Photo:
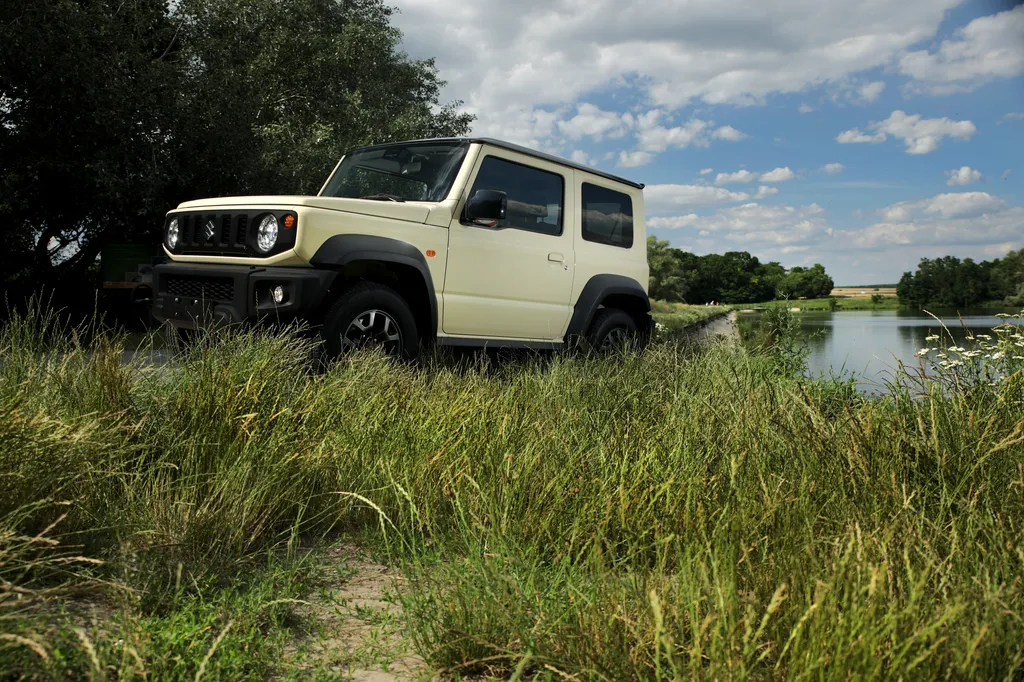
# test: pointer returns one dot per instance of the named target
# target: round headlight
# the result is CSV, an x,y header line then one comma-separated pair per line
x,y
266,235
172,234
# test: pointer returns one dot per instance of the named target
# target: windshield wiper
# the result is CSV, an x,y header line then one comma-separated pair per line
x,y
384,197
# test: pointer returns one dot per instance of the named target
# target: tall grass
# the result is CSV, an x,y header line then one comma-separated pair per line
x,y
681,514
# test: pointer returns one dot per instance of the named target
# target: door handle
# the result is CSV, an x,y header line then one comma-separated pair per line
x,y
556,257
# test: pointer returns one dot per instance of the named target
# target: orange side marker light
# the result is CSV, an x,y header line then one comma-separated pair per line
x,y
289,221
431,253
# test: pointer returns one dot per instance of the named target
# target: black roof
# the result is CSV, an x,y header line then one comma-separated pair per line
x,y
515,148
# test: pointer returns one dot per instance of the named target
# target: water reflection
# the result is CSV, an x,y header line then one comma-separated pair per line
x,y
871,344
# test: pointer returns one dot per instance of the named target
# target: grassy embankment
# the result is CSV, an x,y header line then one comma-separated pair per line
x,y
826,304
677,317
859,303
685,514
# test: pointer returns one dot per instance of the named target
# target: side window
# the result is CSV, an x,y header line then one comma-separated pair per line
x,y
607,216
535,197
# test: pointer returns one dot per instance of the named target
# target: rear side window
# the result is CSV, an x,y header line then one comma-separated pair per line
x,y
607,216
535,197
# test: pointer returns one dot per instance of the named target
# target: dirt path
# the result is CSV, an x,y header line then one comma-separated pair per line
x,y
357,632
724,327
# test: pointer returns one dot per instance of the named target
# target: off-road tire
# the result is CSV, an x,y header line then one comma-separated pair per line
x,y
361,304
611,330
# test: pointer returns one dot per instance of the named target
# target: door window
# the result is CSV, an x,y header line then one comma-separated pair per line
x,y
607,216
535,197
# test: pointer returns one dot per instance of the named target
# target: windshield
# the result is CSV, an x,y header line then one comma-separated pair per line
x,y
399,172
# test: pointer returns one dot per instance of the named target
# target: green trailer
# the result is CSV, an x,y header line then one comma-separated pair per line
x,y
126,289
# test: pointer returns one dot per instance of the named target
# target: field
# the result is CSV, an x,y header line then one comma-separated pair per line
x,y
690,513
821,304
848,292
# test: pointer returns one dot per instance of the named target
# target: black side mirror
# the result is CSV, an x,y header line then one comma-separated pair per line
x,y
487,207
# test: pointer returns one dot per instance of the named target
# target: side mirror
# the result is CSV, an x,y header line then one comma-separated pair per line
x,y
487,207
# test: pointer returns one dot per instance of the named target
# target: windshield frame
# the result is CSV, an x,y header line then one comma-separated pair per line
x,y
443,188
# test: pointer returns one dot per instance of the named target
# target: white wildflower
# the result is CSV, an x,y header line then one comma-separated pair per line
x,y
957,349
1003,315
923,352
984,337
931,338
999,355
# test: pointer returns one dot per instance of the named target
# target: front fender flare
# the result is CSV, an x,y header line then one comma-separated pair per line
x,y
342,249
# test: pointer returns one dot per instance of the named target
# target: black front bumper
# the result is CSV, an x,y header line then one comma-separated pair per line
x,y
190,295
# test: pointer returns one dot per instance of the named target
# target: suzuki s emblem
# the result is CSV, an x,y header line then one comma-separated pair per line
x,y
209,229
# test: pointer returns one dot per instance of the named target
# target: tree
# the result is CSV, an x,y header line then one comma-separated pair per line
x,y
800,282
112,112
732,277
950,282
668,276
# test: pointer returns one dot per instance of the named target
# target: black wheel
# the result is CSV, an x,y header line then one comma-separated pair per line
x,y
371,315
611,330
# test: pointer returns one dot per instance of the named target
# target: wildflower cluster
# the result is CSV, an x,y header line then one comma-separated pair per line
x,y
984,359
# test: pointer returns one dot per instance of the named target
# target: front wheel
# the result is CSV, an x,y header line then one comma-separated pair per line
x,y
371,315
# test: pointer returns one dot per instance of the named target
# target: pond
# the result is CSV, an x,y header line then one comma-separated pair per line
x,y
870,344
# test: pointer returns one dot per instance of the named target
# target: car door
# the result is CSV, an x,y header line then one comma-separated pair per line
x,y
513,280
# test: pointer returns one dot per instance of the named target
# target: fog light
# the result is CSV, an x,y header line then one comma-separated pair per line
x,y
278,293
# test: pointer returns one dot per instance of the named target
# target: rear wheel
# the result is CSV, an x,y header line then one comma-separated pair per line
x,y
612,330
371,315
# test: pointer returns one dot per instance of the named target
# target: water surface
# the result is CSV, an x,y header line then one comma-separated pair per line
x,y
870,344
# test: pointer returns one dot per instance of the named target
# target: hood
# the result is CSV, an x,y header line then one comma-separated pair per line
x,y
410,211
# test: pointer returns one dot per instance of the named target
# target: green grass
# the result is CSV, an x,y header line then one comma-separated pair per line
x,y
825,304
682,514
678,317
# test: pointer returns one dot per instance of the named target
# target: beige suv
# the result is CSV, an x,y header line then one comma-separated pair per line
x,y
459,242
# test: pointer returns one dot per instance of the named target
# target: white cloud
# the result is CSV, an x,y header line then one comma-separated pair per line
x,y
635,159
832,168
948,205
920,135
745,176
855,136
778,175
662,199
654,137
806,108
963,176
869,92
592,121
1012,116
667,53
765,191
757,227
1006,173
988,47
580,156
729,134
677,222
740,176
946,221
706,171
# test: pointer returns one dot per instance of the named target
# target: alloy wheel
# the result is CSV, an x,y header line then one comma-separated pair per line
x,y
373,328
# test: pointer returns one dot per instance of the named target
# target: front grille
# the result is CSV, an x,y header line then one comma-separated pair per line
x,y
243,224
202,288
230,234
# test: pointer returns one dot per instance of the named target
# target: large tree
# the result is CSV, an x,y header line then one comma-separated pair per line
x,y
113,111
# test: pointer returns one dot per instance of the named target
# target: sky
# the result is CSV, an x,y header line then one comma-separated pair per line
x,y
860,135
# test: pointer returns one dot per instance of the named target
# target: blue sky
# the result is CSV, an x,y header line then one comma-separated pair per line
x,y
861,135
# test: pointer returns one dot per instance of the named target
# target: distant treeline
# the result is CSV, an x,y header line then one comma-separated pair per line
x,y
952,282
733,277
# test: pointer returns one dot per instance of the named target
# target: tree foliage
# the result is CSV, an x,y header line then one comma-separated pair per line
x,y
114,111
951,282
732,277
